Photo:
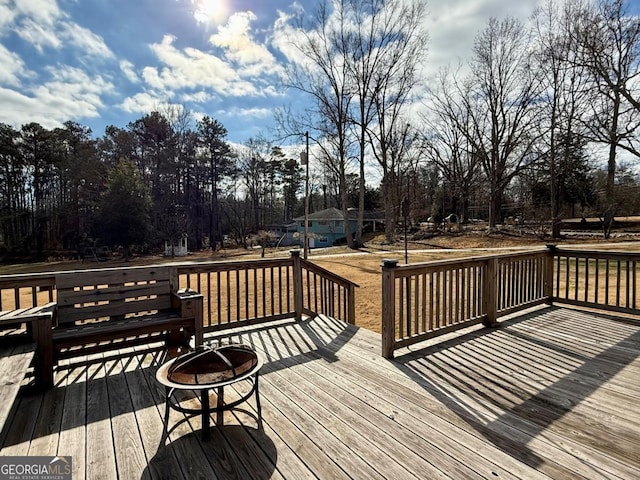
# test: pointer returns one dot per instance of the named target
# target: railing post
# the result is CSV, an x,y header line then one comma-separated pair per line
x,y
174,279
297,284
388,307
548,273
351,305
490,293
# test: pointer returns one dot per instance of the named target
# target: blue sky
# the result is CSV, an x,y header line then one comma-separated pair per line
x,y
104,62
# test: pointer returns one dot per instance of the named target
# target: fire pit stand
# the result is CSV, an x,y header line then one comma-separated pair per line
x,y
208,368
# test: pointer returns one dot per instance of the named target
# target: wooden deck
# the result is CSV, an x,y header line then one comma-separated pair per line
x,y
552,394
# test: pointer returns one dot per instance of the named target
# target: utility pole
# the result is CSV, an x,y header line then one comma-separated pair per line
x,y
304,159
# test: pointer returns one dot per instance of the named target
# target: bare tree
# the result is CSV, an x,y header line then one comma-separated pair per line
x,y
360,66
608,46
323,75
563,95
502,103
448,127
393,83
388,44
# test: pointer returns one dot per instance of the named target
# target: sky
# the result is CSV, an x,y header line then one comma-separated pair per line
x,y
109,62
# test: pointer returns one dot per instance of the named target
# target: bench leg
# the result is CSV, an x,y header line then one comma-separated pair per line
x,y
42,335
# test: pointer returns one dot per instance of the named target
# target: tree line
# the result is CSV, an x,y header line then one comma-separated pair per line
x,y
159,178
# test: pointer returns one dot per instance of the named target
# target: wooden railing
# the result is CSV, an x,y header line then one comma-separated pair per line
x,y
240,293
324,292
26,290
235,293
422,301
597,279
248,292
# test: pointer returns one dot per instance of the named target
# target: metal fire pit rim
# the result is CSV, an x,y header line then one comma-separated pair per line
x,y
162,374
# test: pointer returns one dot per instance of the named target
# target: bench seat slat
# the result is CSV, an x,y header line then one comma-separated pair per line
x,y
111,292
66,280
69,316
108,328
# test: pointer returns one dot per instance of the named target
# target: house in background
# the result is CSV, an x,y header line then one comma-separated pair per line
x,y
326,227
286,234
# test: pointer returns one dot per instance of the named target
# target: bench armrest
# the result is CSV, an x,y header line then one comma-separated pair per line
x,y
39,321
190,304
21,315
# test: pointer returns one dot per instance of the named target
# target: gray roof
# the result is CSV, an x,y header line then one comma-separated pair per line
x,y
336,214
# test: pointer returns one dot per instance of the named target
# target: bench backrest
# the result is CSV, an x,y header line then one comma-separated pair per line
x,y
115,293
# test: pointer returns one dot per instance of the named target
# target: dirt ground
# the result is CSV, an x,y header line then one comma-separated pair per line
x,y
364,265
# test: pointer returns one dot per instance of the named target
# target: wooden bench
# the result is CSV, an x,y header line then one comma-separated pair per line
x,y
39,321
115,308
14,364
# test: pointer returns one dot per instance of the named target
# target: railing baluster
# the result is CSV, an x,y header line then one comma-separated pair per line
x,y
246,292
618,283
271,274
635,286
627,285
431,295
597,282
587,261
279,289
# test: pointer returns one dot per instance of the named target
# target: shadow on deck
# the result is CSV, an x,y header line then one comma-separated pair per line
x,y
550,394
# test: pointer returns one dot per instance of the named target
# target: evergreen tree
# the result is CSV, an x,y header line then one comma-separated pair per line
x,y
124,216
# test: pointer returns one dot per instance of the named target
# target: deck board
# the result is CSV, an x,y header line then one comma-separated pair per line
x,y
552,393
101,459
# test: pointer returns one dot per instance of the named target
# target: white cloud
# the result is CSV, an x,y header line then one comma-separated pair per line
x,y
129,71
143,102
38,35
241,48
42,11
70,94
248,112
191,68
284,38
151,76
147,102
244,68
454,25
86,40
198,97
7,15
42,24
12,69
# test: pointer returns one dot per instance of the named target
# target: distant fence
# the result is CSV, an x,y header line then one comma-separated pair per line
x,y
422,301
